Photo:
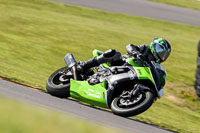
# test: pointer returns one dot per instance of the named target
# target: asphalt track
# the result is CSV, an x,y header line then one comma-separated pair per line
x,y
142,8
74,108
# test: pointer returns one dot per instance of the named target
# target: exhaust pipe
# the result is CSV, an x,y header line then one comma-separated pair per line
x,y
72,64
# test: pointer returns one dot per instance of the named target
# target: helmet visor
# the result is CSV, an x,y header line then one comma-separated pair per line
x,y
161,52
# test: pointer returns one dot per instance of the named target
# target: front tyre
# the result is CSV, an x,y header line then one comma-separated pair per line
x,y
127,107
58,83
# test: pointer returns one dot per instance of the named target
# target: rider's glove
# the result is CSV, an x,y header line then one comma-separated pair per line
x,y
141,57
137,55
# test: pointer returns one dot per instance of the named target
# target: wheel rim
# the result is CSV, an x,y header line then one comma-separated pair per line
x,y
129,102
62,77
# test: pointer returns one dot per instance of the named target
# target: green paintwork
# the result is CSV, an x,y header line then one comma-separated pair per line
x,y
91,94
133,63
95,52
106,65
142,72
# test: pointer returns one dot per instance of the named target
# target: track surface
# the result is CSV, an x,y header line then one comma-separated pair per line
x,y
142,8
75,108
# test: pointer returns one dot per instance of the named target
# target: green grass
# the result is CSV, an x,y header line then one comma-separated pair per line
x,y
35,35
23,118
192,4
178,119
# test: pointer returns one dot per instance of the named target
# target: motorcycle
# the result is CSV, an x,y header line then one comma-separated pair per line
x,y
127,90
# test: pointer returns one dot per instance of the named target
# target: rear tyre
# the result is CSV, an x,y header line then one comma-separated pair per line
x,y
58,83
144,100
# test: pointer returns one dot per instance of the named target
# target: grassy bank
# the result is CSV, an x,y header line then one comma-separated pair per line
x,y
192,4
35,35
23,118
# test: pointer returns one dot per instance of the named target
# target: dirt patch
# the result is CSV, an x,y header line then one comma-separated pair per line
x,y
176,100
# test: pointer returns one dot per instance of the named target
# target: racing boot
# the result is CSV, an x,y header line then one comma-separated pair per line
x,y
110,56
83,67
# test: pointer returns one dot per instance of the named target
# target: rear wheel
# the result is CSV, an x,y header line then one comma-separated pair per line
x,y
58,83
127,106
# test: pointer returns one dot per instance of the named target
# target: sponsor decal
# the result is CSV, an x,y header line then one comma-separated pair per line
x,y
139,71
91,90
92,95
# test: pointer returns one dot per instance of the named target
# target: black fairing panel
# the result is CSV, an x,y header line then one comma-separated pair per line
x,y
119,82
156,77
122,79
109,96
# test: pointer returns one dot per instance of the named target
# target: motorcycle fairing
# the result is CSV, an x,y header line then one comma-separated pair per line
x,y
145,73
91,94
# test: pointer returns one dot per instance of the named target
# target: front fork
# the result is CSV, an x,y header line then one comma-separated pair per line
x,y
138,88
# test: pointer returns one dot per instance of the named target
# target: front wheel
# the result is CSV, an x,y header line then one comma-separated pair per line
x,y
127,107
58,83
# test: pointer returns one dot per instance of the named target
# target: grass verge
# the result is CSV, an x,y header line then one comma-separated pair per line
x,y
192,4
35,35
23,118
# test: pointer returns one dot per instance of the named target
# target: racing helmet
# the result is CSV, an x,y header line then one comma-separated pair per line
x,y
161,49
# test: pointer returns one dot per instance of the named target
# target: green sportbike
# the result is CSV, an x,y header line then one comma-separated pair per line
x,y
127,90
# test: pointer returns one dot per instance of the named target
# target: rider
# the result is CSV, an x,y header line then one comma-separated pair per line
x,y
158,51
